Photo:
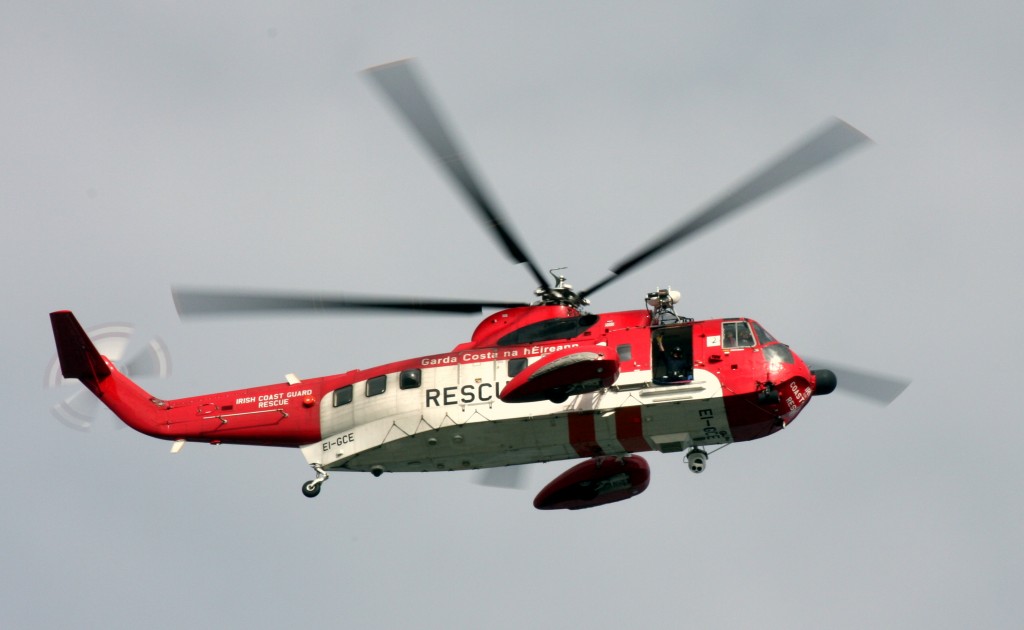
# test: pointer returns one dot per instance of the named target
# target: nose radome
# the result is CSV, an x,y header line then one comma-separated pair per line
x,y
825,382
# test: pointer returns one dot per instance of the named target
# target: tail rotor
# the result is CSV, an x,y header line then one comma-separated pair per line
x,y
79,409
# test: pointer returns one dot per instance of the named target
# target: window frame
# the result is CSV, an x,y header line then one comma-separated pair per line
x,y
336,394
624,351
410,379
372,383
736,335
516,366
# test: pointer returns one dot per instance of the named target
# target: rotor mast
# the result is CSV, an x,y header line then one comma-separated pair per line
x,y
561,294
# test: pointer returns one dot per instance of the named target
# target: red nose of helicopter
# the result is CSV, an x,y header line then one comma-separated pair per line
x,y
791,383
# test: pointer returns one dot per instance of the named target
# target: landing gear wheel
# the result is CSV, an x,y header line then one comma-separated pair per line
x,y
312,487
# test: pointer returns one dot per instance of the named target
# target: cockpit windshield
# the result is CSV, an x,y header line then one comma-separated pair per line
x,y
762,335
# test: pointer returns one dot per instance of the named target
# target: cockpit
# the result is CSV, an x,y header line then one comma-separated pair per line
x,y
672,349
741,334
737,335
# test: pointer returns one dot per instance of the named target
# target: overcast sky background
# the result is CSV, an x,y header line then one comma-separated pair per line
x,y
150,144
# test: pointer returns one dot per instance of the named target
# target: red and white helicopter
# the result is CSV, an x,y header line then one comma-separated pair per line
x,y
536,382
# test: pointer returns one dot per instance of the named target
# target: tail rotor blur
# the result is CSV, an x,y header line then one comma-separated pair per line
x,y
876,388
79,409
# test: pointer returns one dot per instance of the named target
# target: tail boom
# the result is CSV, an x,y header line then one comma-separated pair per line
x,y
210,418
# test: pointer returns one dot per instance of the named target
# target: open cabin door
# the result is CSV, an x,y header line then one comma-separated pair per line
x,y
672,353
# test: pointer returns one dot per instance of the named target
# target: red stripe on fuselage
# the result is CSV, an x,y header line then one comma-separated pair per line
x,y
629,429
583,435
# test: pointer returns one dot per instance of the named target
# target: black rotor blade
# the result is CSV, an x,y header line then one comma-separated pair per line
x,y
825,145
205,302
877,388
399,83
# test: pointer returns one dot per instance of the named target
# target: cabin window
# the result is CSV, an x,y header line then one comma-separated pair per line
x,y
515,366
625,352
376,385
410,379
343,396
737,335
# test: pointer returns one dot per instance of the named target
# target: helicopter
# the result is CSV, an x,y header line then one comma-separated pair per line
x,y
539,381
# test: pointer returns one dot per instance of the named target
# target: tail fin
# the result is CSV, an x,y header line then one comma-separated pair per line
x,y
78,357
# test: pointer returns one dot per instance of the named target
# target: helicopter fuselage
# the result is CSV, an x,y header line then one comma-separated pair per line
x,y
666,388
451,411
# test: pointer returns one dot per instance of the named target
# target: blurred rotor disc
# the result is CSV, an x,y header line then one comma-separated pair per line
x,y
78,410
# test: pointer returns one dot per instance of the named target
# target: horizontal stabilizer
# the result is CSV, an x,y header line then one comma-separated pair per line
x,y
78,357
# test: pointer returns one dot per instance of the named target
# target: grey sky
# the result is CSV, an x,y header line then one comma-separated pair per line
x,y
145,145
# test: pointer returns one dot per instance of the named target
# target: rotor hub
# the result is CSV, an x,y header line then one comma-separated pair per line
x,y
561,294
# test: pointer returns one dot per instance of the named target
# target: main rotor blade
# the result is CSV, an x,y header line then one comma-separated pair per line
x,y
877,388
204,302
510,477
822,147
399,83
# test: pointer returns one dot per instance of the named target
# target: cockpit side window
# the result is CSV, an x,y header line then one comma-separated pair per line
x,y
737,335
